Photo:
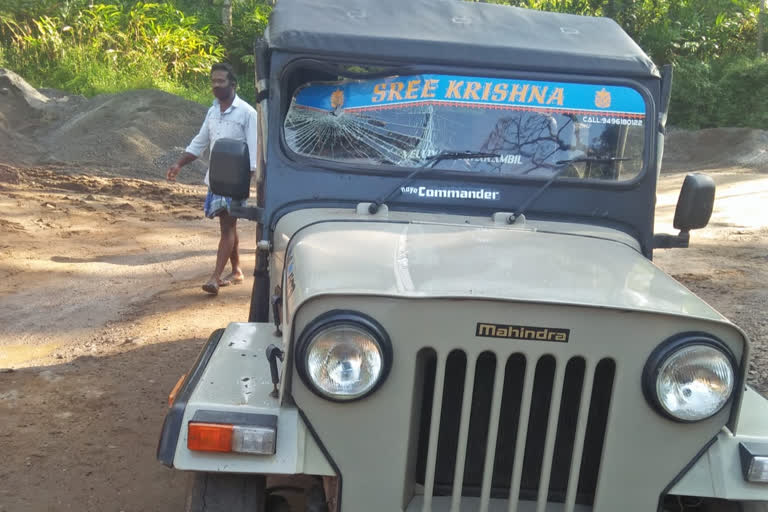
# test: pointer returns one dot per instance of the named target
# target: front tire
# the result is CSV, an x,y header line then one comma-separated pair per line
x,y
223,492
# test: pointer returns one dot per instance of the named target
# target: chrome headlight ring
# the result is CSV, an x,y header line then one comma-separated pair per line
x,y
343,356
690,377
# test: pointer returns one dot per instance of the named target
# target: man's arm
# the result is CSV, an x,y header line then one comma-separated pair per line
x,y
193,151
175,169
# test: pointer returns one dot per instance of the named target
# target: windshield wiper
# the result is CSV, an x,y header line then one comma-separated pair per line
x,y
593,159
429,162
562,166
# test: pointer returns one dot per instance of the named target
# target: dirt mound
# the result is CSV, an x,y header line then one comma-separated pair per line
x,y
20,110
132,130
715,148
137,133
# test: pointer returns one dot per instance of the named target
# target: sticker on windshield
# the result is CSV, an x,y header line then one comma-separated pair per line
x,y
473,92
452,193
525,128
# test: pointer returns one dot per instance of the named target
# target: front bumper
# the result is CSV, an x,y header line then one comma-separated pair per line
x,y
231,375
718,472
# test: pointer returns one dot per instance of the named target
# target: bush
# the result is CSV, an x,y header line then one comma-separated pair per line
x,y
693,94
249,19
126,44
722,92
110,48
742,93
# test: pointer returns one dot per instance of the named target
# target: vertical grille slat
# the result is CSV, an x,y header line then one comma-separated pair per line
x,y
541,401
570,406
596,423
550,436
520,438
437,403
578,443
493,422
505,427
480,422
461,449
450,421
511,402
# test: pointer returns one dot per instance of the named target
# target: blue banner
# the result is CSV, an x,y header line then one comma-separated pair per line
x,y
495,93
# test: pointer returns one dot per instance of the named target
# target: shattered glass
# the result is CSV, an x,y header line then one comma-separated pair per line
x,y
399,137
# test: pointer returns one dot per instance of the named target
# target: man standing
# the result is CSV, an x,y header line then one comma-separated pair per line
x,y
229,117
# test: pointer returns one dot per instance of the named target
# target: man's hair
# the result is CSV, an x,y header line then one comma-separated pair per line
x,y
224,66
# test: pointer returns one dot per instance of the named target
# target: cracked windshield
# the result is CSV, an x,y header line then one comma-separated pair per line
x,y
530,128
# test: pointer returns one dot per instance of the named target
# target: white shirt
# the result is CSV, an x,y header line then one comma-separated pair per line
x,y
240,122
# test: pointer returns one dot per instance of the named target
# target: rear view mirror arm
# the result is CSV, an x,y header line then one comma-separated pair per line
x,y
247,212
666,241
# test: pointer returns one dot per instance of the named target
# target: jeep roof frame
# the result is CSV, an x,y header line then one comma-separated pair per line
x,y
458,33
447,40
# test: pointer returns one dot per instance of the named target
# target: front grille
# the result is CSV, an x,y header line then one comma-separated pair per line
x,y
511,428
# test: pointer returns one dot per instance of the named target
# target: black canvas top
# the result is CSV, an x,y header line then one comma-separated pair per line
x,y
458,32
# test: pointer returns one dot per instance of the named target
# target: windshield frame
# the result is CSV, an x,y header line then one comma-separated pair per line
x,y
395,171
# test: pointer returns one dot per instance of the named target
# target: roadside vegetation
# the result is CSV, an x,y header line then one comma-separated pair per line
x,y
91,47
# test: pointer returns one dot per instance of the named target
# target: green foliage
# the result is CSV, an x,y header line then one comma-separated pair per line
x,y
249,19
724,92
671,29
110,47
742,93
712,44
691,28
124,44
693,94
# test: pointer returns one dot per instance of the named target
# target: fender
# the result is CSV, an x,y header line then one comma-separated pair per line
x,y
231,375
717,473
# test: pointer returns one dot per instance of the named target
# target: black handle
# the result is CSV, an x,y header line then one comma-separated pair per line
x,y
273,354
277,302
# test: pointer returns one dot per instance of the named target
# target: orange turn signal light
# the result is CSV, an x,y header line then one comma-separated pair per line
x,y
210,437
175,390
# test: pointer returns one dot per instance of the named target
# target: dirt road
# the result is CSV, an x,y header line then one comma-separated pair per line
x,y
102,311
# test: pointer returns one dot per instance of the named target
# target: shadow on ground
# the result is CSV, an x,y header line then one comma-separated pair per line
x,y
94,422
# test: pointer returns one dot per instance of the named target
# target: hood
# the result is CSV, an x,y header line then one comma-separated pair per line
x,y
473,262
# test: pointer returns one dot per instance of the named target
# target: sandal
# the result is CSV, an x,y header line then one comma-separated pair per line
x,y
232,279
211,287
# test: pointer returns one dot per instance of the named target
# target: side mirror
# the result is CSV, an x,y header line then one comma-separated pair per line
x,y
694,206
230,169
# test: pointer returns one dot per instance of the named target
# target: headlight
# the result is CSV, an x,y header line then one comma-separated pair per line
x,y
690,377
343,356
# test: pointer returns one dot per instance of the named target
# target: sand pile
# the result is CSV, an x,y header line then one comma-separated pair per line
x,y
137,134
715,148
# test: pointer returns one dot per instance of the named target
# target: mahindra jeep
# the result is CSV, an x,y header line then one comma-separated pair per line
x,y
454,304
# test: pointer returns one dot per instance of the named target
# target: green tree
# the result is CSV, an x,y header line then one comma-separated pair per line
x,y
94,46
